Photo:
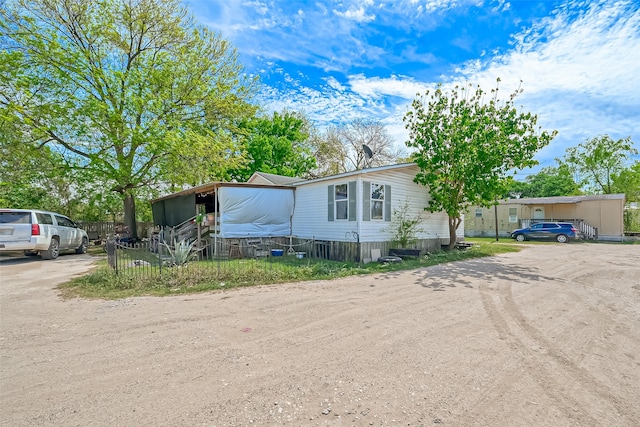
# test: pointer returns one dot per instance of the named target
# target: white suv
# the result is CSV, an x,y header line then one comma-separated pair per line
x,y
34,231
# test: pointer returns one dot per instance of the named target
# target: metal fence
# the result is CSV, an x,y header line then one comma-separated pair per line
x,y
214,259
97,230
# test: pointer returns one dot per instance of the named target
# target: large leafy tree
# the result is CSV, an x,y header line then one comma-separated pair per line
x,y
598,160
550,181
30,178
466,141
130,91
277,144
627,181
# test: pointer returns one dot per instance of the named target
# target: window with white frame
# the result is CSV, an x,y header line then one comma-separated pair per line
x,y
513,214
377,201
478,212
342,201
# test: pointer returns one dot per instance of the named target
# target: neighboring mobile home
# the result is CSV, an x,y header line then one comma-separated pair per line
x,y
598,217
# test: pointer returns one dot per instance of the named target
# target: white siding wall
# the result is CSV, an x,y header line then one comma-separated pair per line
x,y
310,216
310,212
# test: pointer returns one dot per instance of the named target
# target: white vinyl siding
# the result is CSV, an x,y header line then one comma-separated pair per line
x,y
311,219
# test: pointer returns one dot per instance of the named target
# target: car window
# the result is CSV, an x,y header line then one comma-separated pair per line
x,y
44,218
15,217
64,222
536,226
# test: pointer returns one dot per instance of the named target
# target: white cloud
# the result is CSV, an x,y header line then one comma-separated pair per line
x,y
355,14
335,84
579,72
579,68
377,87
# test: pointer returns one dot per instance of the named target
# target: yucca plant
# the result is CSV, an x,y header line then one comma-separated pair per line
x,y
181,253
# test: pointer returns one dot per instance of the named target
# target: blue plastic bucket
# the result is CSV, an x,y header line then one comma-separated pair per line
x,y
277,252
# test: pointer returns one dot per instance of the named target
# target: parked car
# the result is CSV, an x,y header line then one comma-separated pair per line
x,y
559,231
34,231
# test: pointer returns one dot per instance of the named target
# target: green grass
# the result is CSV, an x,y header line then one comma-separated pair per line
x,y
211,276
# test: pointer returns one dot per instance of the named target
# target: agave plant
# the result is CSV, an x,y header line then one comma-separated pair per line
x,y
181,253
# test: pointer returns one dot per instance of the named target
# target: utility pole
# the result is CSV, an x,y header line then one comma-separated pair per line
x,y
495,210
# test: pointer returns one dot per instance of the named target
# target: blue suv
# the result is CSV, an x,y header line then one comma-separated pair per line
x,y
561,232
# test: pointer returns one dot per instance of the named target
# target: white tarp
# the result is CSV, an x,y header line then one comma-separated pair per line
x,y
255,212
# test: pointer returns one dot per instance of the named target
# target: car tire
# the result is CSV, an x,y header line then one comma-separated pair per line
x,y
520,237
389,259
82,249
53,251
561,238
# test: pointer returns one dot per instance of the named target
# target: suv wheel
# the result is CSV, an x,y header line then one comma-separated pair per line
x,y
53,251
82,249
561,238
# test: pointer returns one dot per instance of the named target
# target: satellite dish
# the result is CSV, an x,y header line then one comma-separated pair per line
x,y
367,151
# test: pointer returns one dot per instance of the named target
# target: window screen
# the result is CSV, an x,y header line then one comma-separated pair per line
x,y
342,201
377,201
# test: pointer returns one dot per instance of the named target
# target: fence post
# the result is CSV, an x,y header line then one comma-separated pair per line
x,y
160,262
112,253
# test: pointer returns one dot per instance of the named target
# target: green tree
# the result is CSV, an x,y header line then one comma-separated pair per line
x,y
278,145
550,181
29,177
627,181
597,160
466,144
131,92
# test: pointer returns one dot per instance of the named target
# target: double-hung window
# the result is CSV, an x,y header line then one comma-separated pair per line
x,y
513,215
342,201
377,201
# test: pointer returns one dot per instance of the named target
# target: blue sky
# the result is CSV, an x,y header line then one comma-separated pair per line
x,y
579,61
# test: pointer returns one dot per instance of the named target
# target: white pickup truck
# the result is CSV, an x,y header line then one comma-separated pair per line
x,y
34,231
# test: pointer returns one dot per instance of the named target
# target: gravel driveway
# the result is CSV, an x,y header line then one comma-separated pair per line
x,y
549,336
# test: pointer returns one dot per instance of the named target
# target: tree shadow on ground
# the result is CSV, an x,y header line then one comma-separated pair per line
x,y
465,273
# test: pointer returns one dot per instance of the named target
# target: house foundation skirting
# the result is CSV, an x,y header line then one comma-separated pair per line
x,y
314,248
362,251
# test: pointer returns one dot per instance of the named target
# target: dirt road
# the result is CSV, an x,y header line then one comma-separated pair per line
x,y
549,336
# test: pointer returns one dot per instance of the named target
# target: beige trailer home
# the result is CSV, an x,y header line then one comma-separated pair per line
x,y
598,217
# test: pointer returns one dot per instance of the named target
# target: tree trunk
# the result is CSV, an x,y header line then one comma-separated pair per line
x,y
454,223
130,215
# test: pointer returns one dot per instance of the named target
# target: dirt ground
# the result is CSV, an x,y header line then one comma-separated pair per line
x,y
549,336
